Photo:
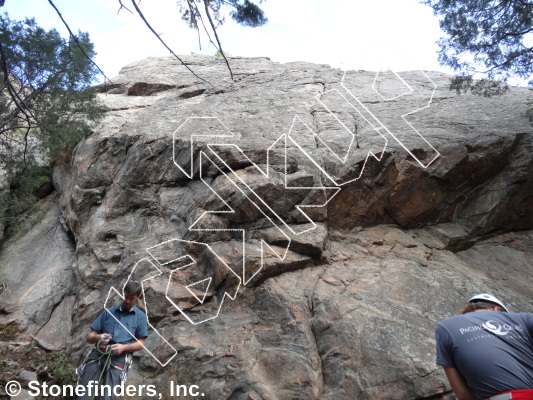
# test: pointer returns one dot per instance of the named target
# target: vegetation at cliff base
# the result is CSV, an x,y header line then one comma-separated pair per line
x,y
8,333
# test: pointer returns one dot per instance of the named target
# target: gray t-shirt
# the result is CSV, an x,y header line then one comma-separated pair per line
x,y
493,350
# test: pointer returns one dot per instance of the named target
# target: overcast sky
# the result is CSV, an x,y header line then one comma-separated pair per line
x,y
350,34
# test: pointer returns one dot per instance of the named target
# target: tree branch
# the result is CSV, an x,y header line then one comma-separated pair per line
x,y
25,149
508,34
190,5
164,44
203,25
77,41
216,37
20,104
508,60
228,4
122,6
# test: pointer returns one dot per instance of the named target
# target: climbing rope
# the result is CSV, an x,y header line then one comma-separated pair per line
x,y
106,352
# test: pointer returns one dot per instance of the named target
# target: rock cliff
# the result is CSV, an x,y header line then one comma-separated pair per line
x,y
298,231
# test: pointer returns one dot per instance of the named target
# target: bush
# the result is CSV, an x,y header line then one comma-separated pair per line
x,y
58,367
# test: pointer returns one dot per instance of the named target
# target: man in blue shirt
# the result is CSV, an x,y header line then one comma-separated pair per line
x,y
487,352
118,331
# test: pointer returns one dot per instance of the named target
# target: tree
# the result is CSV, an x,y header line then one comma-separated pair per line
x,y
243,12
47,105
487,38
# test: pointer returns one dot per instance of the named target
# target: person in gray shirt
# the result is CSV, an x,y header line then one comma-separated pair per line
x,y
487,351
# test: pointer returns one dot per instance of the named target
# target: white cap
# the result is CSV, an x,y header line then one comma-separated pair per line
x,y
490,298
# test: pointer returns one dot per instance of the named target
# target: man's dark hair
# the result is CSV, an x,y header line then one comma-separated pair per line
x,y
478,305
133,288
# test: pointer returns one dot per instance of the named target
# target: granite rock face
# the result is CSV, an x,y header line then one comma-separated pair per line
x,y
299,231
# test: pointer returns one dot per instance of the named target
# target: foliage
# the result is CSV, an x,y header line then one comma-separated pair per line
x,y
46,105
248,14
21,224
488,37
20,198
8,333
54,368
221,53
244,12
59,367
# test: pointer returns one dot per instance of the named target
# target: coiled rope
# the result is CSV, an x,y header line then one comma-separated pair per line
x,y
107,353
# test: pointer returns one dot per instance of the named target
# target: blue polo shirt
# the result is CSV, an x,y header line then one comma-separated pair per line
x,y
110,320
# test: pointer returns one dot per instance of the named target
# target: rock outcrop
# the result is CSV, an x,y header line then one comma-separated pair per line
x,y
299,231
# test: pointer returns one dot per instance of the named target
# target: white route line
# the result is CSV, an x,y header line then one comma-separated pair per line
x,y
322,169
250,194
281,257
402,116
192,140
409,91
189,288
194,283
257,200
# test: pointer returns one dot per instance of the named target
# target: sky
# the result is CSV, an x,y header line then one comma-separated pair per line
x,y
348,34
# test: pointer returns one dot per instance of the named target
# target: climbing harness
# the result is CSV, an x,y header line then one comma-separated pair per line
x,y
105,352
81,368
